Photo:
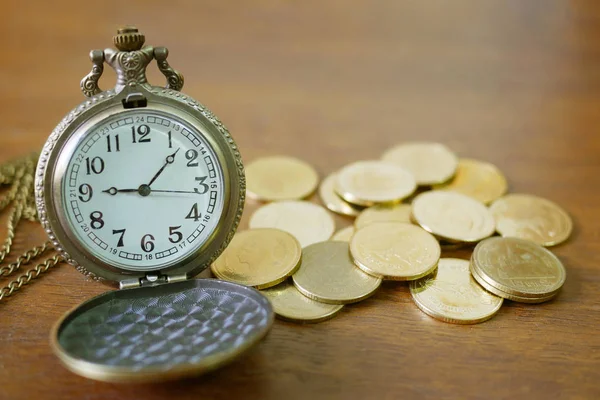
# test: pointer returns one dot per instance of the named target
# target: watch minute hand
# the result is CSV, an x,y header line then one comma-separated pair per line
x,y
175,191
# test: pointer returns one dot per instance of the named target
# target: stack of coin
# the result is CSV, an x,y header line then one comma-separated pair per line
x,y
517,269
418,201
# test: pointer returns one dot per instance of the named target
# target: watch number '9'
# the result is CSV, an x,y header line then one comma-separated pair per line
x,y
86,192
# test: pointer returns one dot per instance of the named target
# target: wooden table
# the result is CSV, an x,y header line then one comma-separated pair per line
x,y
516,83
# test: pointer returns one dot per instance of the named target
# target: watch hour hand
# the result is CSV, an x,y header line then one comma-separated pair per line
x,y
169,160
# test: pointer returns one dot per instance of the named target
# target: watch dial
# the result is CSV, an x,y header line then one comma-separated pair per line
x,y
142,190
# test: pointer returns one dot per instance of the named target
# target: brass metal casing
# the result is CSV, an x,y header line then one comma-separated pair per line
x,y
74,127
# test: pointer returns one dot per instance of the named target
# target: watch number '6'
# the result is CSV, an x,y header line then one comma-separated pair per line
x,y
147,243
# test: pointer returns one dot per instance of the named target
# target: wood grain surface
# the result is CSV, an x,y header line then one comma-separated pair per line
x,y
516,83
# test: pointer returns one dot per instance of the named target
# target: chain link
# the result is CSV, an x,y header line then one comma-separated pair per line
x,y
25,259
19,174
29,275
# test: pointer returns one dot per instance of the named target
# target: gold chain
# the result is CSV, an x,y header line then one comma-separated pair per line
x,y
19,174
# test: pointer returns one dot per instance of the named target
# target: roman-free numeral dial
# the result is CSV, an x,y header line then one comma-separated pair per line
x,y
143,190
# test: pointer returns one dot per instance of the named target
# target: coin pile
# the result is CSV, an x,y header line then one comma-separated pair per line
x,y
417,201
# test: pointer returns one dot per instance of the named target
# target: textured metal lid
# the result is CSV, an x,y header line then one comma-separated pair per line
x,y
161,333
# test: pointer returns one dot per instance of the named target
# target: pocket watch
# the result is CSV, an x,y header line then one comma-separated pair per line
x,y
144,187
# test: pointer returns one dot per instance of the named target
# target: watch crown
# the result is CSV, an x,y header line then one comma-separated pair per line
x,y
128,38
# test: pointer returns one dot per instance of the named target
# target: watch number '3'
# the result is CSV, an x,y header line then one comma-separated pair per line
x,y
203,186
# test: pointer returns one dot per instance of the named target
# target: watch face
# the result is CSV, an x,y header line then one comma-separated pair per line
x,y
142,190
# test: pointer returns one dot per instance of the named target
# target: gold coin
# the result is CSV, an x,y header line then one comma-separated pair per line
x,y
344,235
334,202
517,267
280,178
291,305
430,163
533,218
453,216
452,295
308,222
367,183
481,180
327,274
259,257
490,288
395,251
393,213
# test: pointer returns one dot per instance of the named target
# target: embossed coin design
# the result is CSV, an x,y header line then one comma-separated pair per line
x,y
308,222
481,180
367,183
453,216
452,295
291,305
430,163
394,213
327,274
344,235
259,257
395,251
509,296
334,202
280,178
533,218
517,269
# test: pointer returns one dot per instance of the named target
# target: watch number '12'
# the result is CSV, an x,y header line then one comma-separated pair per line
x,y
142,132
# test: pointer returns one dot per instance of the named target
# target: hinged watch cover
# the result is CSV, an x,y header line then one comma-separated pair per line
x,y
162,325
